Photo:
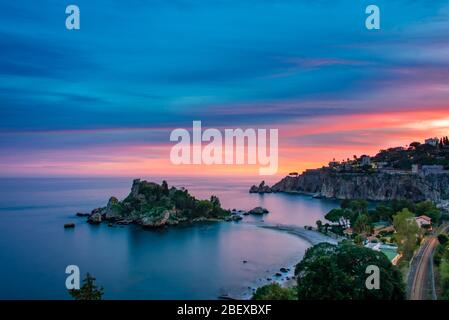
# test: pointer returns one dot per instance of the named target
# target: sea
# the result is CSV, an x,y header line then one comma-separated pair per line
x,y
201,261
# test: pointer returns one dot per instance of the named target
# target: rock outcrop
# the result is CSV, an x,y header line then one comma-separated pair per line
x,y
377,186
95,217
262,188
153,206
258,211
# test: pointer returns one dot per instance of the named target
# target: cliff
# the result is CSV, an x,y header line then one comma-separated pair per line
x,y
377,186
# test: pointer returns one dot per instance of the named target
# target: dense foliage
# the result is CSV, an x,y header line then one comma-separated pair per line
x,y
338,272
407,232
359,210
152,199
88,291
274,291
416,153
441,257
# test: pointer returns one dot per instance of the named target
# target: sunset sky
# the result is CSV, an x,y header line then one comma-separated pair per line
x,y
103,100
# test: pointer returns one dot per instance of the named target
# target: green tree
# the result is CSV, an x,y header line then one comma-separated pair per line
x,y
398,205
215,202
362,224
203,208
336,214
443,239
164,186
382,212
429,209
407,232
359,206
415,144
351,209
319,225
358,240
274,291
444,278
88,291
338,272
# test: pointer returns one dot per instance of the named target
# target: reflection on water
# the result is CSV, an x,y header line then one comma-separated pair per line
x,y
198,262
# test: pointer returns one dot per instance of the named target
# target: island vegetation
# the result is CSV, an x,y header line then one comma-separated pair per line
x,y
154,205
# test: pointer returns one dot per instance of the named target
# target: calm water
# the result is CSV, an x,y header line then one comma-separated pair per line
x,y
198,262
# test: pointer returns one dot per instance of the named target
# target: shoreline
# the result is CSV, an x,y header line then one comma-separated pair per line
x,y
311,236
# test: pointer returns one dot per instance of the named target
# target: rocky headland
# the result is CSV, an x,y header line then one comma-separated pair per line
x,y
417,172
375,186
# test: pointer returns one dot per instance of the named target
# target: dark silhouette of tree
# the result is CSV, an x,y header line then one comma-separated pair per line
x,y
415,144
319,225
330,272
88,291
443,239
165,190
274,291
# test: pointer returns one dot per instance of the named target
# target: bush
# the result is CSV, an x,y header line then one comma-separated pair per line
x,y
88,291
274,291
330,272
442,238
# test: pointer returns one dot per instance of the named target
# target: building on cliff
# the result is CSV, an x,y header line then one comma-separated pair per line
x,y
423,221
432,141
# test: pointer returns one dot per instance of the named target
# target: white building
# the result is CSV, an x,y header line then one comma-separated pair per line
x,y
423,221
432,141
381,165
365,160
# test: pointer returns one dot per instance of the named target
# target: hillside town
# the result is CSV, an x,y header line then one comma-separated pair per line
x,y
430,157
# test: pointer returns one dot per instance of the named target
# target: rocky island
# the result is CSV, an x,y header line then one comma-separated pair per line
x,y
418,172
152,205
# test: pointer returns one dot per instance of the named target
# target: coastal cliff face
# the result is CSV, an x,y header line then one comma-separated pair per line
x,y
310,182
371,186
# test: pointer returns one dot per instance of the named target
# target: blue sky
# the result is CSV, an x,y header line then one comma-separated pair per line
x,y
162,64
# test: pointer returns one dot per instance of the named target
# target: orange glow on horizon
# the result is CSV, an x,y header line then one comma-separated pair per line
x,y
301,146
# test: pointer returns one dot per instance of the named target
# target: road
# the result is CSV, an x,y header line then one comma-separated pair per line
x,y
420,276
421,282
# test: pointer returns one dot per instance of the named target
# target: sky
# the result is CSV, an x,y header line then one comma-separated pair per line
x,y
102,100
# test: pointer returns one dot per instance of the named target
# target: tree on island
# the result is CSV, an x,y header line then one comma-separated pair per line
x,y
88,291
338,272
